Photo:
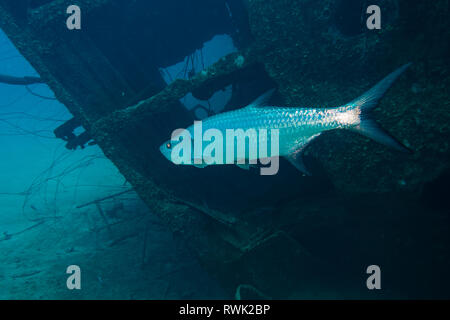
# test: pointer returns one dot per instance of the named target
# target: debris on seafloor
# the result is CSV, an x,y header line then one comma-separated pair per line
x,y
8,236
112,213
104,198
26,274
19,80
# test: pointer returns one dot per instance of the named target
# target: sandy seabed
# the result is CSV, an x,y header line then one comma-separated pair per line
x,y
128,254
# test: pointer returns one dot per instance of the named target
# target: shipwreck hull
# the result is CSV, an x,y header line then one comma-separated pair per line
x,y
257,230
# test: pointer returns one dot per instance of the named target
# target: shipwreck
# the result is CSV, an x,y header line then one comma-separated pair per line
x,y
255,232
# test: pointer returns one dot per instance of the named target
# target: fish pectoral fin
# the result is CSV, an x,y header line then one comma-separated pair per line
x,y
245,166
199,165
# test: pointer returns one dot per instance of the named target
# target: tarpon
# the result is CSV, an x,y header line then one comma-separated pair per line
x,y
295,127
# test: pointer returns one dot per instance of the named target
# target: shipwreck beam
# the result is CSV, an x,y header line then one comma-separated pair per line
x,y
210,80
19,80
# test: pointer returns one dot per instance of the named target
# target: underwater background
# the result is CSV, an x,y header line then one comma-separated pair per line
x,y
83,182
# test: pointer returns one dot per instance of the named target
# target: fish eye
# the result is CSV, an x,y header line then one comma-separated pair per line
x,y
169,145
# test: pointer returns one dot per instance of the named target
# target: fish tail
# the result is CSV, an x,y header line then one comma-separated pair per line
x,y
367,102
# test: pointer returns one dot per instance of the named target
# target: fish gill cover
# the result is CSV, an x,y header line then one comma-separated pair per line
x,y
85,112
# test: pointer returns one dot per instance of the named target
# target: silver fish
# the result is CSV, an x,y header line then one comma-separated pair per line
x,y
296,127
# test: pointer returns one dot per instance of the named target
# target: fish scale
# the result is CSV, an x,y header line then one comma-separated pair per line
x,y
294,124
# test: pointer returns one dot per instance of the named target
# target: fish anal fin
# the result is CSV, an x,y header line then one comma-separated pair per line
x,y
296,159
296,156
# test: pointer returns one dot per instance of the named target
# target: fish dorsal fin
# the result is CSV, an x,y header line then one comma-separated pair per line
x,y
262,100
